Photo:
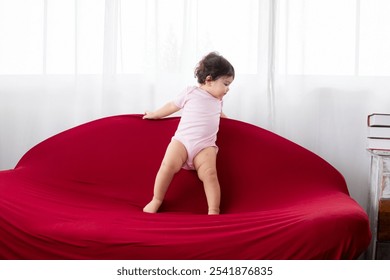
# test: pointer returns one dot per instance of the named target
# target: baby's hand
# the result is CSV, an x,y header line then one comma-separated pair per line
x,y
148,115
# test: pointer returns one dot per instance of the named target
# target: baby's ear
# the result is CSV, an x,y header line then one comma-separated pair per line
x,y
209,78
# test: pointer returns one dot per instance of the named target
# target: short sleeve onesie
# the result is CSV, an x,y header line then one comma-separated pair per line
x,y
199,123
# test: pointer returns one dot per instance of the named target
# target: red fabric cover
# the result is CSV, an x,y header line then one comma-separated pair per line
x,y
80,194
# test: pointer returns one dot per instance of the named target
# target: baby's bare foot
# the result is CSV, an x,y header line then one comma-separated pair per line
x,y
153,206
213,212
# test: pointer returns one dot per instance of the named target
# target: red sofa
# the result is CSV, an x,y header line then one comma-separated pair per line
x,y
80,194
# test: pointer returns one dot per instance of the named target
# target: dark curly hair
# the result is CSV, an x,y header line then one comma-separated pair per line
x,y
215,66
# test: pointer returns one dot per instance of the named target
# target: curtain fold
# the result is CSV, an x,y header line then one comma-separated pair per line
x,y
310,71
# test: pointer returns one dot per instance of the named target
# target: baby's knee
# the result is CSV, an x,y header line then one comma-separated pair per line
x,y
169,167
208,174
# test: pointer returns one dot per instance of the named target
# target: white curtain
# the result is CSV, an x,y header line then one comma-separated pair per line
x,y
309,70
332,69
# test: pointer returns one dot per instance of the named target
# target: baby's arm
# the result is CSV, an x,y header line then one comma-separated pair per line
x,y
164,111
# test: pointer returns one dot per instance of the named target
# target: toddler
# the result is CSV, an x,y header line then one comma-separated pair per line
x,y
193,145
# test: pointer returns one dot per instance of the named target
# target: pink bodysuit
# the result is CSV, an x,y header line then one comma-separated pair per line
x,y
199,122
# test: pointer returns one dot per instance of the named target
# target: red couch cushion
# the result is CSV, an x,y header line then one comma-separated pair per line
x,y
80,194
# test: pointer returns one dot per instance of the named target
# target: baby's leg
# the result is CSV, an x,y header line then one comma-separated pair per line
x,y
175,156
205,164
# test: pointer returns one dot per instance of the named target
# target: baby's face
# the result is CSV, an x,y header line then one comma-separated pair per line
x,y
220,87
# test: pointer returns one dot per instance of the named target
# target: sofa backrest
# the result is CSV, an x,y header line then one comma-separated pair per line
x,y
121,155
